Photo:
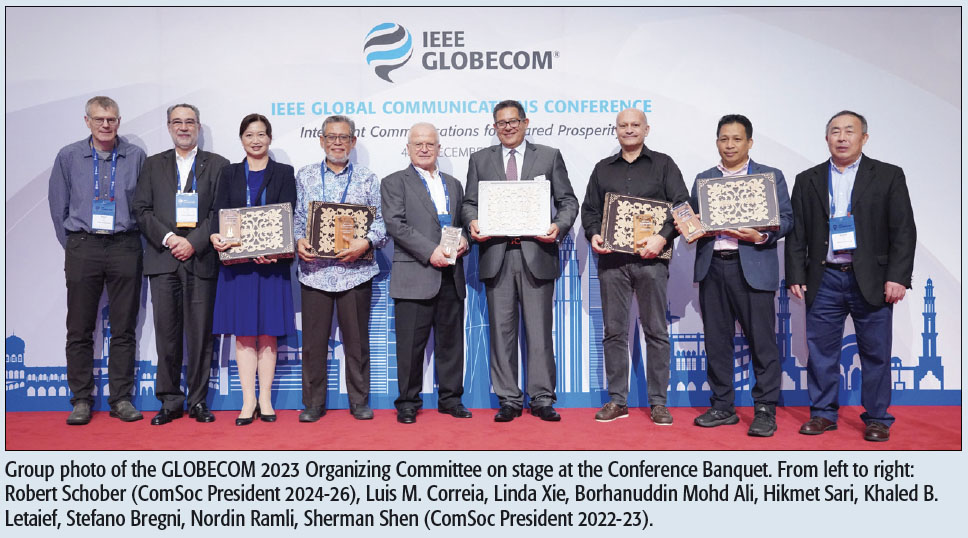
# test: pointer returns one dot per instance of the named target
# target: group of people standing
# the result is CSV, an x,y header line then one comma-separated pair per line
x,y
849,229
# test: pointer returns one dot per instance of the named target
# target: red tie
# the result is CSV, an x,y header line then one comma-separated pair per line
x,y
512,171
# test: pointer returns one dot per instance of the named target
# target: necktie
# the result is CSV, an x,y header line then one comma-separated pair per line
x,y
512,171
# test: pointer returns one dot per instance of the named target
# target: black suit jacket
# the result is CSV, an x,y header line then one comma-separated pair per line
x,y
886,234
154,208
540,258
279,185
412,222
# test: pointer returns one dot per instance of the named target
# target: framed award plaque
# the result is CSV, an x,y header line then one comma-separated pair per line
x,y
450,241
514,208
330,227
738,202
264,231
230,226
628,219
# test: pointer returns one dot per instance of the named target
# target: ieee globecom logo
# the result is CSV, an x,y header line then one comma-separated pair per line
x,y
387,46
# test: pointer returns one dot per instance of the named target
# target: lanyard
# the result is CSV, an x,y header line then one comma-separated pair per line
x,y
248,195
97,176
349,177
830,189
427,186
195,178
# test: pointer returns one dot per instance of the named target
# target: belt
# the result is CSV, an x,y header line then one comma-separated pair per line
x,y
128,233
842,267
726,254
514,242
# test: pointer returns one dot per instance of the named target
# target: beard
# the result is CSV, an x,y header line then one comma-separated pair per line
x,y
340,160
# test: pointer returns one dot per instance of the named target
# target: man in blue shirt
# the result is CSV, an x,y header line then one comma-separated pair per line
x,y
91,186
345,282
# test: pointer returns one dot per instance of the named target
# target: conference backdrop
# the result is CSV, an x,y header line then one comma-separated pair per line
x,y
574,69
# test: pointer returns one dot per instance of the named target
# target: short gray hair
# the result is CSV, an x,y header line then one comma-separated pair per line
x,y
863,120
198,117
102,101
423,124
339,118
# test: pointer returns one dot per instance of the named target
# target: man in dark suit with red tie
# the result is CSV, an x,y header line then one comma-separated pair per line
x,y
520,272
851,251
173,205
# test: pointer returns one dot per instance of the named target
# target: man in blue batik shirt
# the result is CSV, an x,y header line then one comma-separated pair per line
x,y
345,282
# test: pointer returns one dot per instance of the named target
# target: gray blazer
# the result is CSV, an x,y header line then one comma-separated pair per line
x,y
411,220
540,258
761,267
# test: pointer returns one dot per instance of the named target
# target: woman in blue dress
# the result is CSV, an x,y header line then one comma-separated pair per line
x,y
253,300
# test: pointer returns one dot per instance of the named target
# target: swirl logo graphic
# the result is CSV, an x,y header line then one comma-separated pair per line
x,y
387,46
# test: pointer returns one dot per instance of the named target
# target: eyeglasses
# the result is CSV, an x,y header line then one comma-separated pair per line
x,y
508,123
186,123
424,145
99,121
333,138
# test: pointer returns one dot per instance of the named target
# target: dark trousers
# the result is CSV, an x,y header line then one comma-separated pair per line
x,y
182,306
91,262
514,286
724,298
414,319
353,315
837,297
647,279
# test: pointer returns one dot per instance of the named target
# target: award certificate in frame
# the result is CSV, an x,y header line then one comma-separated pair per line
x,y
514,208
324,234
266,231
727,203
619,218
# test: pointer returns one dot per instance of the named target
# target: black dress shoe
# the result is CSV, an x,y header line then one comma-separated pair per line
x,y
312,414
246,421
80,415
267,418
507,413
165,416
200,413
546,412
407,415
458,411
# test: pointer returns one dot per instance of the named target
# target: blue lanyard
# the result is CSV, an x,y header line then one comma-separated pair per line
x,y
830,189
97,176
442,182
248,195
195,178
349,177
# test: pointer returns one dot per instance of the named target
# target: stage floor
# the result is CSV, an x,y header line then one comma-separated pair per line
x,y
917,428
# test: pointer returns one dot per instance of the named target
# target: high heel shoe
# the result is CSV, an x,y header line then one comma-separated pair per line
x,y
247,421
266,418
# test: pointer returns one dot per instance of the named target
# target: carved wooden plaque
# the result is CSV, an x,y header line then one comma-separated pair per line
x,y
738,202
324,234
514,208
619,218
265,231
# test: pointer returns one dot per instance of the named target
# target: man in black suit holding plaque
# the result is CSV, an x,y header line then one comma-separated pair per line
x,y
427,282
738,273
851,252
520,272
173,205
635,171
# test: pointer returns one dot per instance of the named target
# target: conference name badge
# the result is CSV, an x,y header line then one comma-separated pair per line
x,y
186,209
102,216
843,235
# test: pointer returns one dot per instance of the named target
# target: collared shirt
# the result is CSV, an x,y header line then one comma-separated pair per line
x,y
184,165
651,175
843,188
71,188
364,189
436,186
518,156
723,241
